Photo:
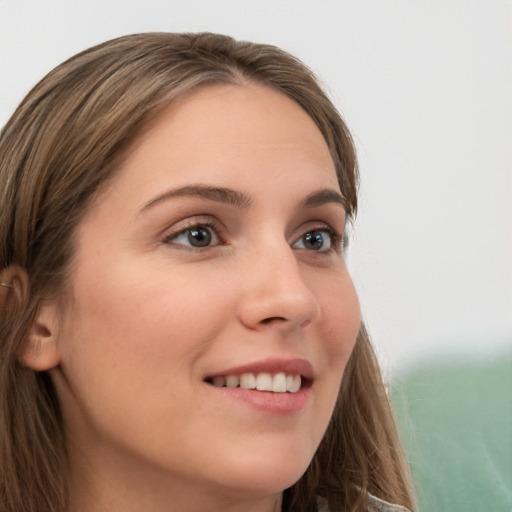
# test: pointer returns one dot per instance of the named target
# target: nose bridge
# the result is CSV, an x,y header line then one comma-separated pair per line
x,y
275,291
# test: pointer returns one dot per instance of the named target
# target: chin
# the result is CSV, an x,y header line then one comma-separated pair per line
x,y
265,472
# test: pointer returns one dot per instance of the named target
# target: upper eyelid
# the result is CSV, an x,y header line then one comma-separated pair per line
x,y
325,228
189,223
319,225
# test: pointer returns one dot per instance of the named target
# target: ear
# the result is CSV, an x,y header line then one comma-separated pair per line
x,y
40,350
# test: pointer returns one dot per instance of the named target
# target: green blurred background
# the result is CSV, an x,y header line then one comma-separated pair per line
x,y
456,424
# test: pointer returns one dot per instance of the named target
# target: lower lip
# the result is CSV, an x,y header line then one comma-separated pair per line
x,y
267,401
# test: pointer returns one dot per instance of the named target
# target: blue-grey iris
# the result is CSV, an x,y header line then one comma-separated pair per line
x,y
199,237
314,240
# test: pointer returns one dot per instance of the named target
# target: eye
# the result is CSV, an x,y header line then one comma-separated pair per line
x,y
199,235
320,240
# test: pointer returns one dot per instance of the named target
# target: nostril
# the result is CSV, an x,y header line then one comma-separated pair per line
x,y
269,320
272,318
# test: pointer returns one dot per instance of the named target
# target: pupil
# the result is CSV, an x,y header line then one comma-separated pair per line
x,y
199,237
314,240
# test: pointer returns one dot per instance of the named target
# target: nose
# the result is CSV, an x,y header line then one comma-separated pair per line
x,y
275,295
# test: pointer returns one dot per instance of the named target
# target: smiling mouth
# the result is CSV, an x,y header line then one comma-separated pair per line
x,y
280,382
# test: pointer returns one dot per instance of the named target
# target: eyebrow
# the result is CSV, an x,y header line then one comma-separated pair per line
x,y
217,194
324,196
240,199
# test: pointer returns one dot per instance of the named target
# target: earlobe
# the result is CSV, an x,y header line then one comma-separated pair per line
x,y
40,350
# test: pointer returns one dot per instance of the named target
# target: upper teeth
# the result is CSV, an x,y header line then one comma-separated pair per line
x,y
278,383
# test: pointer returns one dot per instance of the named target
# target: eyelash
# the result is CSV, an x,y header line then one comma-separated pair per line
x,y
337,241
334,236
191,225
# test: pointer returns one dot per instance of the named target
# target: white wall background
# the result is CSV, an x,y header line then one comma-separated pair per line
x,y
425,86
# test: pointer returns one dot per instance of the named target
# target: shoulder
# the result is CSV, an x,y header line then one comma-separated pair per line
x,y
377,505
374,505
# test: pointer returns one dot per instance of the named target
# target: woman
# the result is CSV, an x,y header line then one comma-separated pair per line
x,y
178,327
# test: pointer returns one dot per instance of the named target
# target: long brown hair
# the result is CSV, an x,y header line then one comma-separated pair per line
x,y
62,144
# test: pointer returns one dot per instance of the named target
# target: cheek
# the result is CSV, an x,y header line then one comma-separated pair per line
x,y
153,297
339,326
130,353
144,330
341,318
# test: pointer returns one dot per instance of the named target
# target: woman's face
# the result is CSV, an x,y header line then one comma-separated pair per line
x,y
212,258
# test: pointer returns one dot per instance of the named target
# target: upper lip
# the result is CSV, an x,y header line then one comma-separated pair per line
x,y
272,365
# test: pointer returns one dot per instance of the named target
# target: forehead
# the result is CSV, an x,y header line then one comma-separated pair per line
x,y
241,136
251,110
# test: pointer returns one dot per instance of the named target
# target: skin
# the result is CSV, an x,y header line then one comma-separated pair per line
x,y
150,316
